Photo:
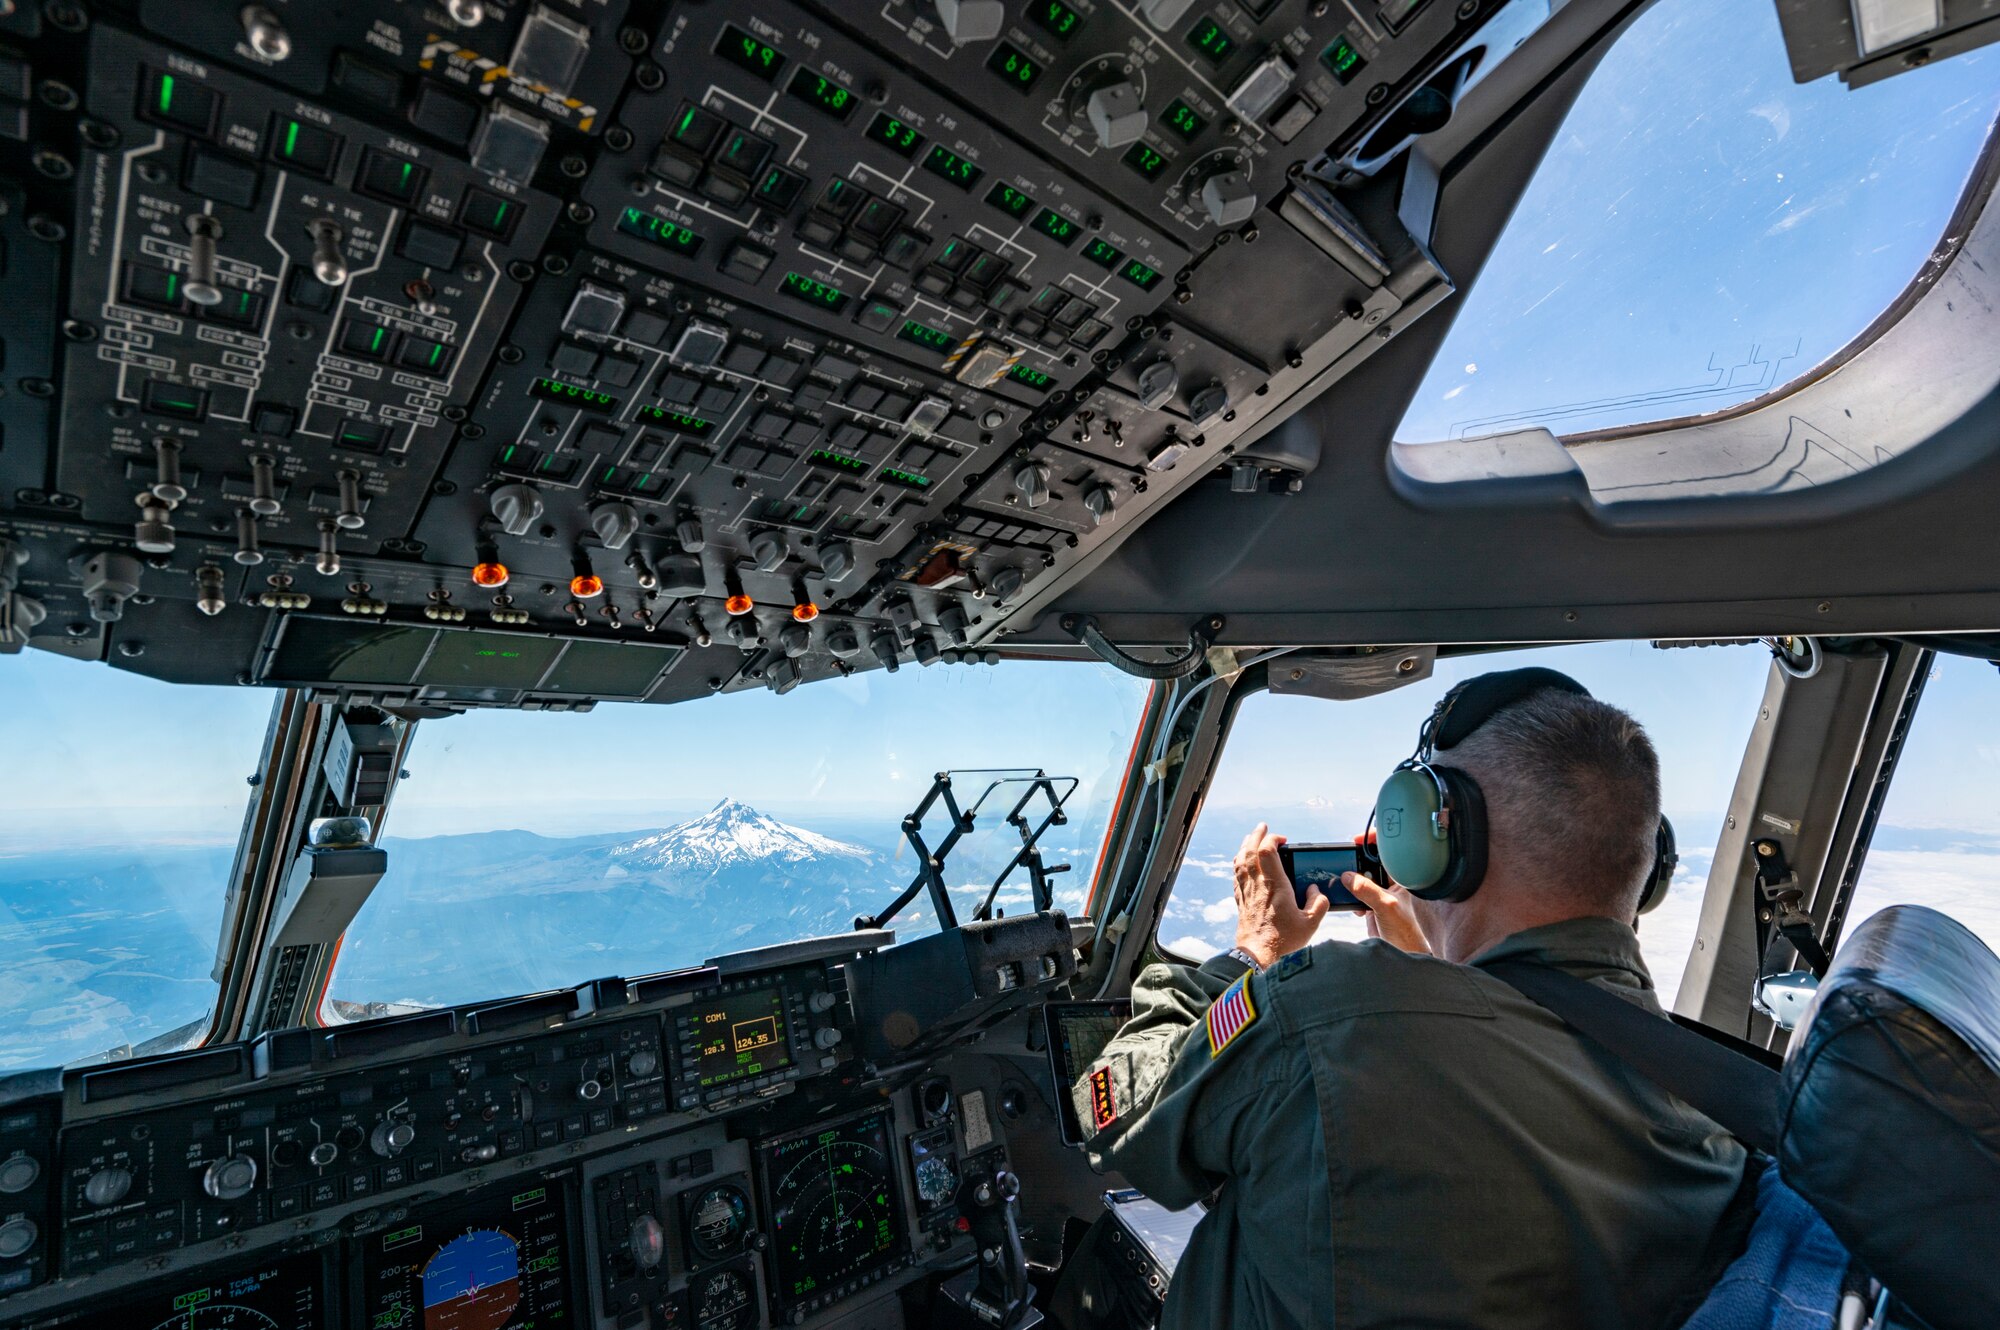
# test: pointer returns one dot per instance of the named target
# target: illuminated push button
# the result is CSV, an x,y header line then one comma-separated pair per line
x,y
171,99
390,177
743,154
367,341
488,214
299,145
780,189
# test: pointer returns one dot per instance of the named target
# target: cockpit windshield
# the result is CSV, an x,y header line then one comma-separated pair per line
x,y
121,799
530,850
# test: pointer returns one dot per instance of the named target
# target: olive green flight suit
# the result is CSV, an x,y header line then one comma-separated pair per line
x,y
1403,1141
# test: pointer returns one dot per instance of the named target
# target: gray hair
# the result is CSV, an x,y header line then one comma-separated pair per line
x,y
1572,790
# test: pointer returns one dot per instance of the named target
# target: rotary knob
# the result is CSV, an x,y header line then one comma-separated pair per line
x,y
648,1242
17,1235
821,1000
615,523
230,1179
516,508
323,1154
19,1173
391,1137
108,1186
826,1038
590,1090
643,1063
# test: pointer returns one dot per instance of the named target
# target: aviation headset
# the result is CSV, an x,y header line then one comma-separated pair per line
x,y
1430,819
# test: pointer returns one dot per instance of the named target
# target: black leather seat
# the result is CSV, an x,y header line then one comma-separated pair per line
x,y
1890,1113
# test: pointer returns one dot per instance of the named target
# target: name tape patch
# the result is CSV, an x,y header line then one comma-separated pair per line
x,y
1230,1015
1103,1111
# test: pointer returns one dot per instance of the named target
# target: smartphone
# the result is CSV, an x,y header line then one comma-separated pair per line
x,y
1077,1032
1321,866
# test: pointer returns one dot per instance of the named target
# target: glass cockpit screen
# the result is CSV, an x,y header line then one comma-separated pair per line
x,y
498,1262
741,1034
276,1293
834,1210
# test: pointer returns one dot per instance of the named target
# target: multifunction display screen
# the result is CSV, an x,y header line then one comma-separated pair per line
x,y
834,1214
276,1293
742,1034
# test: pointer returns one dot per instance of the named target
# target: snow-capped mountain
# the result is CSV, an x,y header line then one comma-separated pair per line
x,y
732,835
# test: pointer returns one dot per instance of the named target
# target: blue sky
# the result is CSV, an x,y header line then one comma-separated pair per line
x,y
1702,229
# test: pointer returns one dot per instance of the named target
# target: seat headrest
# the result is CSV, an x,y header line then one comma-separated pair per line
x,y
1890,1116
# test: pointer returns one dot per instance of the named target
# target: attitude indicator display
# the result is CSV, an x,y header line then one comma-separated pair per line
x,y
499,1262
836,1219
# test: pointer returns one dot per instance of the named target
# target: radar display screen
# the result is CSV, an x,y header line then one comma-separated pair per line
x,y
498,1262
741,1034
278,1293
834,1213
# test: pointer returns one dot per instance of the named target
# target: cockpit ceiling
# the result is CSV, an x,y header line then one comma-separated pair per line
x,y
521,441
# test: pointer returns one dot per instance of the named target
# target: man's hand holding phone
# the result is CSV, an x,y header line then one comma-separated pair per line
x,y
1389,914
1271,920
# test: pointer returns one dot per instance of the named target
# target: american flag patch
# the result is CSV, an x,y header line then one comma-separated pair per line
x,y
1230,1015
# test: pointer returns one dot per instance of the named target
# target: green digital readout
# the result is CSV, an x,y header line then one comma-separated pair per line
x,y
898,136
1183,119
1034,378
1140,275
934,339
566,394
942,161
1009,200
659,231
834,461
823,93
1144,160
1055,18
1343,58
739,48
1017,67
1209,38
673,420
800,287
907,479
1101,254
1056,227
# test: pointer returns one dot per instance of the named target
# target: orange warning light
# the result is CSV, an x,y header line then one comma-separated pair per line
x,y
739,604
586,586
489,574
805,611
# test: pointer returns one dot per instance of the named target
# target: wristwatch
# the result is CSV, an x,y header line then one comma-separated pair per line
x,y
1238,953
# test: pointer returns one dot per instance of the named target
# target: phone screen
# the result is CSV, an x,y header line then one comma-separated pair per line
x,y
1321,866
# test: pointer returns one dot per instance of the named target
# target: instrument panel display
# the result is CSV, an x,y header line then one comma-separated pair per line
x,y
275,1293
742,1034
836,1219
498,1262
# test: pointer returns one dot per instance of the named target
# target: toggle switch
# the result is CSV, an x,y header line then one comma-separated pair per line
x,y
349,517
327,564
264,486
153,533
203,231
247,552
328,264
209,595
167,486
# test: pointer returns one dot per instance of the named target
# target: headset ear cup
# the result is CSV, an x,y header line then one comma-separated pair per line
x,y
1467,840
1410,851
1666,858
